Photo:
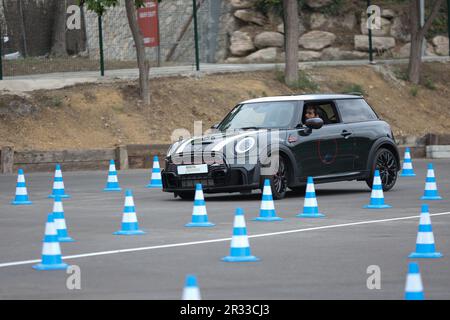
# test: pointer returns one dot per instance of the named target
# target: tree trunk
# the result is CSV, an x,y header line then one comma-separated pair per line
x,y
417,37
143,64
291,26
59,47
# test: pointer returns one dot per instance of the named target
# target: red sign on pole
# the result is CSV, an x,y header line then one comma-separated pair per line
x,y
148,23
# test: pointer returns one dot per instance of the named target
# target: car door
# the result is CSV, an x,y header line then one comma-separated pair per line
x,y
327,151
362,121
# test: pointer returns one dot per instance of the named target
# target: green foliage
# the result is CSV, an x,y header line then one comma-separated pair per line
x,y
100,6
276,5
347,87
333,9
414,91
429,84
401,74
305,83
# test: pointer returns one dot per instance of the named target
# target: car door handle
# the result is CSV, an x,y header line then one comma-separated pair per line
x,y
346,133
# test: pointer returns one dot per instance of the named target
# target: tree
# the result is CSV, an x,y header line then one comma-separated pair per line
x,y
417,37
100,7
291,26
59,48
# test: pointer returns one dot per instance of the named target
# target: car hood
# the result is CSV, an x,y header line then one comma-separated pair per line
x,y
214,142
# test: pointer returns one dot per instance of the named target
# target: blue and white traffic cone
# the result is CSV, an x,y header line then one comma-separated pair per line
x,y
155,181
51,250
199,214
58,184
310,207
407,169
191,290
21,196
377,197
431,192
113,183
240,247
130,224
267,210
425,247
60,221
414,287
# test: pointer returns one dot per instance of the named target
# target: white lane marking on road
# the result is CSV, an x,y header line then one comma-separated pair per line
x,y
93,254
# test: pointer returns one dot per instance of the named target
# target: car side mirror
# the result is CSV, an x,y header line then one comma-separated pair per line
x,y
215,126
314,123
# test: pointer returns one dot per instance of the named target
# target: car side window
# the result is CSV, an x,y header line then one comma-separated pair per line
x,y
355,110
325,110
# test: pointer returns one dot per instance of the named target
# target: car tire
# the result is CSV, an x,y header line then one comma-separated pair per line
x,y
186,195
299,190
386,162
278,181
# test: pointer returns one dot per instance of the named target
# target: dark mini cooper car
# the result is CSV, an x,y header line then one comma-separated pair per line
x,y
276,138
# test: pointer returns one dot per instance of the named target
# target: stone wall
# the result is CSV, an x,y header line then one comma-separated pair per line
x,y
258,37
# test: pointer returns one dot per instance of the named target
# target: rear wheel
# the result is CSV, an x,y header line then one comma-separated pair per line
x,y
278,181
386,162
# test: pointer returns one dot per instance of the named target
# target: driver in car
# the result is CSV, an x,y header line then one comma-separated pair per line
x,y
311,112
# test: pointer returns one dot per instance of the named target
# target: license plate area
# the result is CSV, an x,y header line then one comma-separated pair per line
x,y
192,169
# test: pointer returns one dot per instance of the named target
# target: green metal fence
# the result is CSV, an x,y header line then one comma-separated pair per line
x,y
35,40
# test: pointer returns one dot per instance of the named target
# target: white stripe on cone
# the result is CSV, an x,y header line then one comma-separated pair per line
x,y
51,249
129,217
430,173
58,206
156,176
50,229
267,205
60,224
310,187
425,219
407,165
129,202
58,185
310,202
414,283
430,186
377,194
20,178
199,211
21,191
191,293
112,178
239,242
239,222
425,238
58,174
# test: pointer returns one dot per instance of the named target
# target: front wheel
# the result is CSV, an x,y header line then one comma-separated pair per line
x,y
386,163
278,181
186,195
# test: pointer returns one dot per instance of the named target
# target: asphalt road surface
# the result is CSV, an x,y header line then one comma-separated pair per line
x,y
300,258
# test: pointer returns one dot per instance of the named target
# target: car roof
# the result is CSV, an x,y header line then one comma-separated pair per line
x,y
305,97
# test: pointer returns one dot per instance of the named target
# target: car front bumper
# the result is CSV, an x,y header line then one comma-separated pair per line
x,y
220,178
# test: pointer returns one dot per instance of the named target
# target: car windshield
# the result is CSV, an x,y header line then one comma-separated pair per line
x,y
276,114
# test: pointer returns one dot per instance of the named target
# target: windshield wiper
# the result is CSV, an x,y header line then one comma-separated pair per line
x,y
249,128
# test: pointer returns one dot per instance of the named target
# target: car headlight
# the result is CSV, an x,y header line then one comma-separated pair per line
x,y
172,148
245,145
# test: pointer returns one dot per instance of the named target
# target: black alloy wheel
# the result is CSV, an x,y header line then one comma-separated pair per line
x,y
386,163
